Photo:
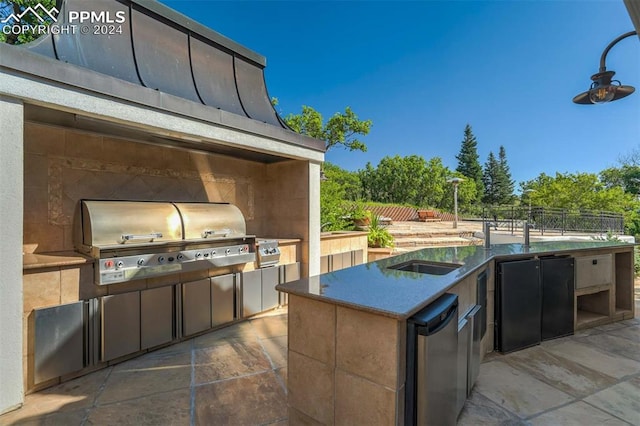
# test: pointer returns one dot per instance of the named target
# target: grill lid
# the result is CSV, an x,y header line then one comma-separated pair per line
x,y
211,220
119,224
107,223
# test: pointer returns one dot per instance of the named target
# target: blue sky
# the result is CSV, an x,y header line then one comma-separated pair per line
x,y
422,70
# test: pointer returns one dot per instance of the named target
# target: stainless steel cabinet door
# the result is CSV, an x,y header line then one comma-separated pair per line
x,y
358,257
324,264
196,306
120,325
222,299
58,341
251,293
336,261
270,277
156,316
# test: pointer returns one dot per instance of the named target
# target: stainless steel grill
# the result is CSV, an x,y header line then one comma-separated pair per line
x,y
139,239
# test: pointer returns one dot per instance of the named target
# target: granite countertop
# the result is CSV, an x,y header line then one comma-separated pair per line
x,y
375,288
50,260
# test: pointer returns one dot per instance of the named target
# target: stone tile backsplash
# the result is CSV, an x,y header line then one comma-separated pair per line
x,y
63,166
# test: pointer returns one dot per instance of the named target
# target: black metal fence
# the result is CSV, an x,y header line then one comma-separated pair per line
x,y
546,219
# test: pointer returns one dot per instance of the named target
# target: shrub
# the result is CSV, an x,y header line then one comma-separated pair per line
x,y
378,235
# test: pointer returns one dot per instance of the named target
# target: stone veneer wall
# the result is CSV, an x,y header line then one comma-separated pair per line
x,y
344,366
63,166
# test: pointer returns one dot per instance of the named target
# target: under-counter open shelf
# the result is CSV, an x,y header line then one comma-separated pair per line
x,y
592,308
606,301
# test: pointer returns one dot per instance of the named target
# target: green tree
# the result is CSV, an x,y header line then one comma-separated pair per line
x,y
626,177
414,181
400,179
468,160
349,181
578,191
491,180
405,180
332,201
342,129
506,183
15,8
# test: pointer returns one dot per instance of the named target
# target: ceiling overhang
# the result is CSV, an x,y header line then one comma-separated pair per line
x,y
159,59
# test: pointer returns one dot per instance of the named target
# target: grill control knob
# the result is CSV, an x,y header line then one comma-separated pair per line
x,y
213,253
227,251
120,264
160,259
140,262
180,256
198,255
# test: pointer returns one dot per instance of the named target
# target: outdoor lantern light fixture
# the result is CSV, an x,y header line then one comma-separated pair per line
x,y
604,89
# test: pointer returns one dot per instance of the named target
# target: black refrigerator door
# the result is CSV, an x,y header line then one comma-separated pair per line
x,y
519,301
557,297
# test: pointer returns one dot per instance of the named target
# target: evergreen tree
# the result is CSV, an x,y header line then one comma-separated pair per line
x,y
468,160
491,180
506,184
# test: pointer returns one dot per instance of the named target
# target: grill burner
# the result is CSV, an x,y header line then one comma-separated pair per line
x,y
132,240
268,253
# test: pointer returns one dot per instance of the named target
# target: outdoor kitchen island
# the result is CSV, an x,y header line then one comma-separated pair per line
x,y
347,348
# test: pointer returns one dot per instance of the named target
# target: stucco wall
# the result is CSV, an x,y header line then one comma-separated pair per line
x,y
11,190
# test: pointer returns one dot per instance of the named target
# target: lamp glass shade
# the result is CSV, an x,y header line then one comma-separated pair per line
x,y
602,94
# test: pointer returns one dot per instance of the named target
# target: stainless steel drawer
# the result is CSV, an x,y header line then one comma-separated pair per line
x,y
593,271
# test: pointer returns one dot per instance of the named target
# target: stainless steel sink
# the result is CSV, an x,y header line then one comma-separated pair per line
x,y
425,267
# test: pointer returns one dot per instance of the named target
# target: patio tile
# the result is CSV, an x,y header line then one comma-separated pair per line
x,y
270,326
594,358
239,331
276,348
609,327
54,419
516,390
621,400
587,332
570,377
176,348
578,413
613,344
251,400
481,411
282,374
147,375
232,359
631,333
166,408
70,396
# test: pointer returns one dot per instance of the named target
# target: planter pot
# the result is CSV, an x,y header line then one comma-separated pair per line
x,y
362,222
378,253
